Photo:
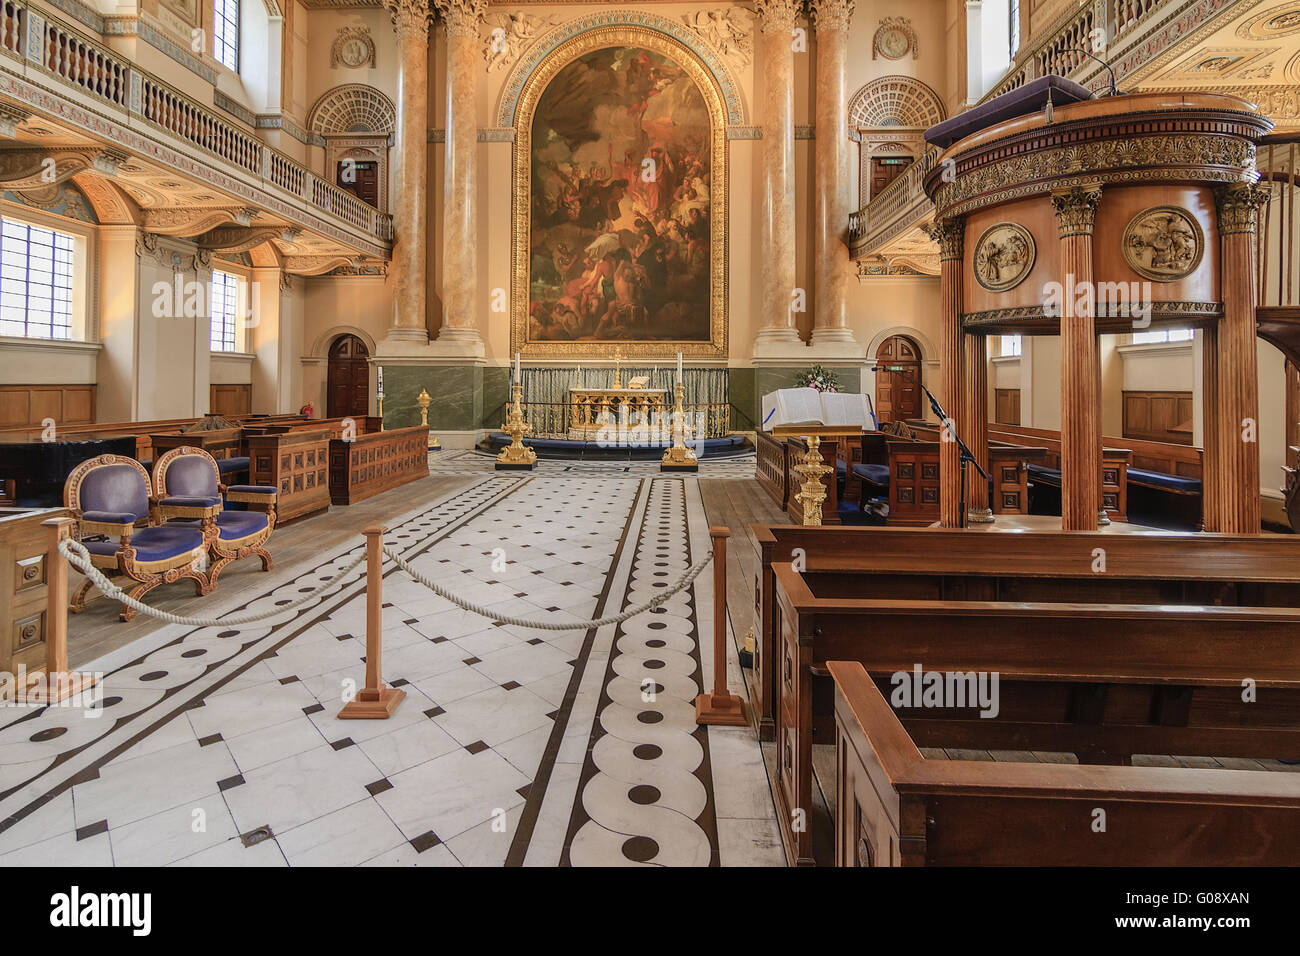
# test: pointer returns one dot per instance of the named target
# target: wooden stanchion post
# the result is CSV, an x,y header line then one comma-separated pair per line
x,y
720,707
58,683
375,701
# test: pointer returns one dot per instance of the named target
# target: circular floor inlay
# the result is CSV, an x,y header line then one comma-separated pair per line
x,y
640,849
196,652
233,633
48,734
644,794
657,625
649,716
656,643
153,675
653,665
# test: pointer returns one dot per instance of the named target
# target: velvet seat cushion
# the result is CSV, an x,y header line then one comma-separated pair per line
x,y
154,544
227,465
875,474
253,489
116,489
240,524
1163,480
111,517
1044,475
190,476
192,501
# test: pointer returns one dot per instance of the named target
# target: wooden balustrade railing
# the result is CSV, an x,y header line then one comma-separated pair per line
x,y
74,58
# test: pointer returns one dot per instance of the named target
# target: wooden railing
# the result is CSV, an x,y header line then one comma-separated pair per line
x,y
902,204
73,58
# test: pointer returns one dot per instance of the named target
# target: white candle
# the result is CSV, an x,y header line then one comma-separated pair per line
x,y
679,366
518,380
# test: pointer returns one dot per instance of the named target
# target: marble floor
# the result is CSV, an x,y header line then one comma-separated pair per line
x,y
516,746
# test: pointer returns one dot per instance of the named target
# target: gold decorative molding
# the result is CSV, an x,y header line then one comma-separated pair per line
x,y
461,18
1163,243
1238,206
777,16
828,15
1076,208
410,18
536,84
949,234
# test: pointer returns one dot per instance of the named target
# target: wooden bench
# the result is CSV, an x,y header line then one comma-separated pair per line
x,y
894,807
1104,679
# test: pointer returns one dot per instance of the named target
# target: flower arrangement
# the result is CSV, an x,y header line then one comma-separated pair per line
x,y
818,377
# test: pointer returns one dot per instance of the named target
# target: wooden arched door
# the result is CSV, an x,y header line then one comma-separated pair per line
x,y
898,362
348,388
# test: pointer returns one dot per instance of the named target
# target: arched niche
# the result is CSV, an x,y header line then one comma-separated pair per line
x,y
889,116
356,123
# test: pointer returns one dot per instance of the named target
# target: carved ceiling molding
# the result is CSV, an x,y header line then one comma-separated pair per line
x,y
729,30
353,108
506,35
30,167
179,258
229,239
192,221
314,265
896,101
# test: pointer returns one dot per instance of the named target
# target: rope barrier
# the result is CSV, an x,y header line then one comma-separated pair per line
x,y
79,558
77,555
654,602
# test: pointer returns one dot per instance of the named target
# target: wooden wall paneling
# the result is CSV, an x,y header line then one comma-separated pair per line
x,y
230,400
1158,416
1006,406
26,406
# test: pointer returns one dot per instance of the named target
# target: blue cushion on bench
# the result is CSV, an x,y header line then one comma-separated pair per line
x,y
227,465
841,469
875,474
1044,475
1160,479
155,544
253,489
240,524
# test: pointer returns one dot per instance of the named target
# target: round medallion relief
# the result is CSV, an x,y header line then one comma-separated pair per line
x,y
1163,243
1004,255
894,43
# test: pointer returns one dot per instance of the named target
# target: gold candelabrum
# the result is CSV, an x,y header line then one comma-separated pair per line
x,y
812,493
679,457
516,456
424,399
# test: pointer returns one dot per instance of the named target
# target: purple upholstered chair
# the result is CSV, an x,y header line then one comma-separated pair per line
x,y
109,496
188,485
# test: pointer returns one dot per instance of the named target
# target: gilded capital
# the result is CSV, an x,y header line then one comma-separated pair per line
x,y
461,18
410,18
830,15
777,16
1239,207
948,233
1076,208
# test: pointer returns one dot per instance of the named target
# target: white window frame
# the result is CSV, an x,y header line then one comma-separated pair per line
x,y
227,299
1162,337
225,21
78,278
1009,345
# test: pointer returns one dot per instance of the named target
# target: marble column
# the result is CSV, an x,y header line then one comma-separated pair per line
x,y
1076,210
411,205
949,234
832,265
461,19
776,19
1235,415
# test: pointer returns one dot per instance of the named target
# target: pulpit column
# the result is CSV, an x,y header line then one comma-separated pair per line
x,y
776,20
410,209
949,234
831,148
1076,209
459,226
1235,414
975,424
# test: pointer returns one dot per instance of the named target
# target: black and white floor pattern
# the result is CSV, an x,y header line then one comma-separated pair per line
x,y
514,745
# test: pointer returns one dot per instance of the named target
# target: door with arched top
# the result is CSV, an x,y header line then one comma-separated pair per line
x,y
898,372
348,380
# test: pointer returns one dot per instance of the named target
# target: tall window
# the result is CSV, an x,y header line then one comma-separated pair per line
x,y
225,311
37,266
1013,31
1010,345
1164,335
225,32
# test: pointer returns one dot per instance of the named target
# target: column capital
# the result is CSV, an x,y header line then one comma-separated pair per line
x,y
1076,208
461,17
830,15
949,234
410,18
1238,205
776,16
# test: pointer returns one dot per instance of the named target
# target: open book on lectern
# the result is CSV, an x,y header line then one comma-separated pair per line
x,y
807,406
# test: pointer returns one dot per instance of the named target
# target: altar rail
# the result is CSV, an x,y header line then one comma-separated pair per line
x,y
67,57
552,419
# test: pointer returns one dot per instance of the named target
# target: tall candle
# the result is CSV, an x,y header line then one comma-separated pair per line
x,y
518,380
679,366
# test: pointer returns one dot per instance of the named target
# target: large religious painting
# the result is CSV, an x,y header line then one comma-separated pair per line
x,y
623,241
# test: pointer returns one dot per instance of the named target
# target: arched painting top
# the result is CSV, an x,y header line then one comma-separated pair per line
x,y
683,34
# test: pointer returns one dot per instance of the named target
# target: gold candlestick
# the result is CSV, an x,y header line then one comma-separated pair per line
x,y
812,492
424,399
679,457
516,456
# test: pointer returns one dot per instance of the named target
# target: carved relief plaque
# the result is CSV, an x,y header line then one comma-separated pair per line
x,y
1003,256
1163,243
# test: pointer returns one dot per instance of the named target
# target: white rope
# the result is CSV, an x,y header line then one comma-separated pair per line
x,y
654,602
79,558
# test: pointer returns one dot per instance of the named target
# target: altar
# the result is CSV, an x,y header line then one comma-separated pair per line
x,y
591,409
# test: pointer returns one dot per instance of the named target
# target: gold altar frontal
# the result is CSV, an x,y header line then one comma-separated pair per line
x,y
591,409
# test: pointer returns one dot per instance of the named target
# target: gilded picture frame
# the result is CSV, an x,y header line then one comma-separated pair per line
x,y
529,97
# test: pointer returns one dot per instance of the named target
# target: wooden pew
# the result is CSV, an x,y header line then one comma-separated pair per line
x,y
376,462
1104,679
772,466
894,807
949,564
